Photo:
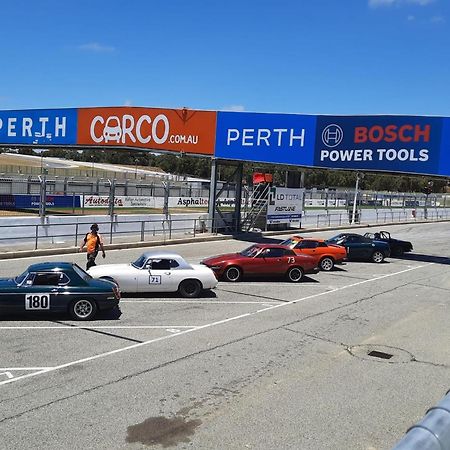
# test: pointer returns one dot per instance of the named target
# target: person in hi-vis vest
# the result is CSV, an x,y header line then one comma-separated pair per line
x,y
93,242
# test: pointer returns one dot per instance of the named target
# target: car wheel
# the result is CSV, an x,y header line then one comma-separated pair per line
x,y
82,309
295,274
233,274
326,264
397,251
377,257
190,288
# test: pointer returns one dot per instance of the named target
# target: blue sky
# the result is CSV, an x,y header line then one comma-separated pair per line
x,y
304,56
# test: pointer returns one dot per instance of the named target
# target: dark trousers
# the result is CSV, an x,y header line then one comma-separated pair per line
x,y
91,260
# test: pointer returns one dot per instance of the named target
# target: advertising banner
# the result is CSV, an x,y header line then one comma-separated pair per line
x,y
385,143
24,201
285,205
180,130
38,126
270,138
138,201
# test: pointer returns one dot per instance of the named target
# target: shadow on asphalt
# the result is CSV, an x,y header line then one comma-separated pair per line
x,y
266,278
425,258
203,294
113,314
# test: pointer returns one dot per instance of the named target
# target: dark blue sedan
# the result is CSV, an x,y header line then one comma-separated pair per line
x,y
57,287
362,248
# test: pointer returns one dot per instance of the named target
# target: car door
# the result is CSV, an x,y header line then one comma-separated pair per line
x,y
156,276
355,247
44,293
306,247
272,261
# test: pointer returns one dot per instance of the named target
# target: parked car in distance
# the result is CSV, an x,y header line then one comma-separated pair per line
x,y
361,248
262,260
158,271
397,246
57,287
328,254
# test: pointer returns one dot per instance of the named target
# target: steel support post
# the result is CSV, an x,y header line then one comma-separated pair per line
x,y
212,195
238,197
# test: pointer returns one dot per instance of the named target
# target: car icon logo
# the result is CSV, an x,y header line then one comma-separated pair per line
x,y
332,135
112,130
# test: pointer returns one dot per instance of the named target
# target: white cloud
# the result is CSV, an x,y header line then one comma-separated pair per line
x,y
381,3
437,19
96,47
410,18
235,108
127,103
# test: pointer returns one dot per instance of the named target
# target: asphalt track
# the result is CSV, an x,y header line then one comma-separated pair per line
x,y
262,364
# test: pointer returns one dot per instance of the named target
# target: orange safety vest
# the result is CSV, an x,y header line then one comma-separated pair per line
x,y
92,242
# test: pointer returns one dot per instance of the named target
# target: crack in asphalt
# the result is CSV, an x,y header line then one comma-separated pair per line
x,y
432,287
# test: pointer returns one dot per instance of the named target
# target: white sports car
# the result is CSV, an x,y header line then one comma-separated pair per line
x,y
158,271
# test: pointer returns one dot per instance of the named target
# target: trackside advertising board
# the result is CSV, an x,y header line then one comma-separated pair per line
x,y
285,205
270,138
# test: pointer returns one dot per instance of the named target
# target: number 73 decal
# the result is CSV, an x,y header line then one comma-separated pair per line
x,y
291,260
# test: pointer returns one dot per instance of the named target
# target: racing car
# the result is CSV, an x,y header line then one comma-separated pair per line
x,y
397,246
57,287
158,271
327,253
262,260
361,248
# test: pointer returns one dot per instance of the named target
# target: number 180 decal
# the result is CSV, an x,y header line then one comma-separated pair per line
x,y
37,301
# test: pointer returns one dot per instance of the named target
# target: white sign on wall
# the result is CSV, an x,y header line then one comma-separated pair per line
x,y
285,205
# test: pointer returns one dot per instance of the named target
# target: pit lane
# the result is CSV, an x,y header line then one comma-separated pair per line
x,y
156,329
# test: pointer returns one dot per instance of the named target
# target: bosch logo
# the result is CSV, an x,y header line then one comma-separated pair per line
x,y
332,135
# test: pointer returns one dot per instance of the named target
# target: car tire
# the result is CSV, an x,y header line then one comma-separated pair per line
x,y
397,251
190,288
83,309
326,264
377,257
232,274
295,274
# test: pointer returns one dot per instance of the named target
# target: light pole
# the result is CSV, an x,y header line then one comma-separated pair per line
x,y
355,199
135,168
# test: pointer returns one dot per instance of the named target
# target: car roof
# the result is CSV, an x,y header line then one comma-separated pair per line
x,y
50,266
159,254
269,245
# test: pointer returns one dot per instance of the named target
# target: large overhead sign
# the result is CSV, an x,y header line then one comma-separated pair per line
x,y
387,143
178,130
39,126
272,138
407,144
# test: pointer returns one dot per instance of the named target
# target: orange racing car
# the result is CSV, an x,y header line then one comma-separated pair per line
x,y
327,254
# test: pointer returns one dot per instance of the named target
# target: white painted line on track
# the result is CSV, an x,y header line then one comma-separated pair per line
x,y
202,327
100,327
212,302
24,368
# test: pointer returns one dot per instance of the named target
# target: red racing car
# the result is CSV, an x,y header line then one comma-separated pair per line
x,y
262,260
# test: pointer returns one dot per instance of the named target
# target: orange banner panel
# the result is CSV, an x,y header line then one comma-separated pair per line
x,y
179,130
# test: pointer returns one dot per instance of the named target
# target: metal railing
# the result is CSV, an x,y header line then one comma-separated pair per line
x,y
432,432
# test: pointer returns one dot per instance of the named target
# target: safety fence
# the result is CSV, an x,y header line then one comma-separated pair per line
x,y
69,231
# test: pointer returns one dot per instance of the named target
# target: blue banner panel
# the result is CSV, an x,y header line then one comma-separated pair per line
x,y
386,143
444,166
268,138
38,126
57,201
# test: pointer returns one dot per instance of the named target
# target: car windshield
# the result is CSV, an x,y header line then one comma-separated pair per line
x,y
335,239
81,273
251,251
289,242
139,263
21,277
